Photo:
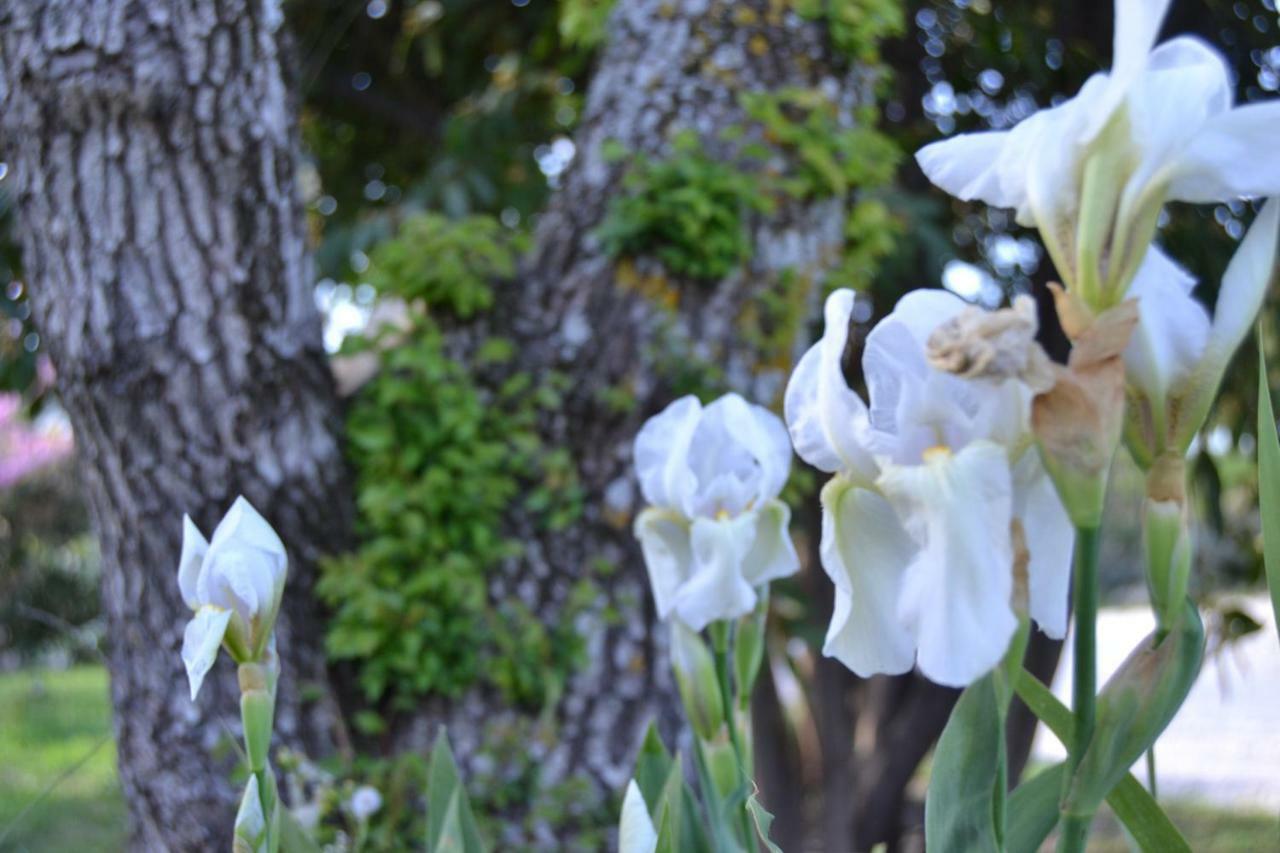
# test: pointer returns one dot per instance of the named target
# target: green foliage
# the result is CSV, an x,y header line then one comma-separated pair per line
x,y
49,570
827,158
449,264
451,826
582,22
856,27
960,811
1269,480
688,209
441,455
1133,804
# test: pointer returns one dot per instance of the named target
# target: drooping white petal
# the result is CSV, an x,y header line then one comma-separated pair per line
x,y
200,642
662,453
717,588
1172,331
969,166
668,554
772,554
636,833
194,547
825,417
1244,286
865,552
1050,538
1231,157
956,592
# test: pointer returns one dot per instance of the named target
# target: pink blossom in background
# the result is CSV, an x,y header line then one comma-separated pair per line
x,y
26,446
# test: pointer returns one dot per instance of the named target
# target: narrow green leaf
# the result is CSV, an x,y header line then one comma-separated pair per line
x,y
1132,804
293,838
762,820
1269,480
1033,811
451,825
653,766
959,812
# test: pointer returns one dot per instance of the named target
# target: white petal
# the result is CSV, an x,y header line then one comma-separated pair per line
x,y
1050,538
668,554
865,552
1187,87
717,589
194,547
956,594
245,525
1244,287
970,166
200,642
772,554
740,456
662,451
635,830
1231,157
1172,331
1137,26
825,417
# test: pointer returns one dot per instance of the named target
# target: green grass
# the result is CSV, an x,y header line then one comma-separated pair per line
x,y
1206,828
51,721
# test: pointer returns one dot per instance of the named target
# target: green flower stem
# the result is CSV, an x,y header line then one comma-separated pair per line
x,y
1084,688
721,644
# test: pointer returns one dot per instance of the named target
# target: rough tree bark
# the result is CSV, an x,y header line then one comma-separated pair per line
x,y
668,66
153,150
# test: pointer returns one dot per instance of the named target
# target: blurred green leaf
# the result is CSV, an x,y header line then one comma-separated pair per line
x,y
1269,481
960,811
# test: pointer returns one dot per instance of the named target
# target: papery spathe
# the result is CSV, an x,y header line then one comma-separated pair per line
x,y
233,583
715,530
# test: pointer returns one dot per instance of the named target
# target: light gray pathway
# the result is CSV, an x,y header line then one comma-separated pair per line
x,y
1224,745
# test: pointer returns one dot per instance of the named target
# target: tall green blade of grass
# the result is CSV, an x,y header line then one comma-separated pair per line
x,y
1269,480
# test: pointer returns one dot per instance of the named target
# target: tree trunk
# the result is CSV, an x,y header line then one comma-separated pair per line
x,y
153,148
669,66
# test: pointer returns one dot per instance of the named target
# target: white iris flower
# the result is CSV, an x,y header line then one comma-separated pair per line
x,y
715,531
919,532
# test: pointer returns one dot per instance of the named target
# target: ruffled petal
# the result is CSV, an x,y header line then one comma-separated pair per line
x,y
865,552
717,589
772,554
636,833
740,455
200,642
956,593
825,417
1172,331
662,453
668,554
194,547
245,557
1050,538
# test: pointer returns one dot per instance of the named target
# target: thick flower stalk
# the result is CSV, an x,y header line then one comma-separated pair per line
x,y
234,582
713,537
1093,173
940,526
